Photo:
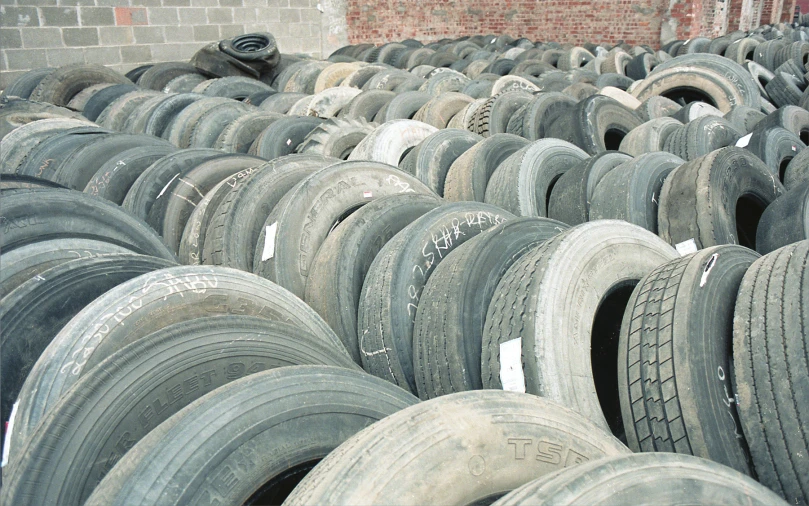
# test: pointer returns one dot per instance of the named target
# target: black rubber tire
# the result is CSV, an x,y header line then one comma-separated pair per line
x,y
629,479
744,118
522,184
396,278
468,176
78,169
770,370
742,50
402,106
570,198
134,74
795,119
674,358
650,136
432,158
797,172
235,226
16,113
367,104
136,121
184,122
452,308
724,207
785,89
338,271
114,116
694,110
184,83
116,176
700,137
163,115
776,147
656,107
283,136
141,306
257,49
239,134
173,206
281,102
26,83
489,460
42,161
209,126
598,123
439,110
784,221
23,140
390,142
540,113
336,137
25,262
631,191
235,87
300,222
193,238
199,356
78,102
59,86
147,187
17,182
258,97
36,310
639,66
159,75
289,436
36,215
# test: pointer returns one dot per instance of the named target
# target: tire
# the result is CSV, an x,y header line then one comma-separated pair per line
x,y
762,77
742,50
184,355
343,401
344,478
452,307
17,182
144,305
392,287
631,191
239,135
402,106
439,110
797,171
116,176
25,262
115,115
300,222
338,271
469,175
770,370
569,201
78,102
173,206
431,159
24,140
680,343
367,104
303,79
695,110
493,117
632,478
283,137
16,113
193,238
258,97
700,137
580,91
160,74
522,184
259,50
235,87
334,74
26,83
586,272
657,107
389,142
785,89
91,218
144,191
184,83
164,114
596,124
650,136
744,118
59,86
37,310
687,84
638,67
235,226
184,123
794,119
784,221
541,112
776,147
734,189
335,138
207,128
42,161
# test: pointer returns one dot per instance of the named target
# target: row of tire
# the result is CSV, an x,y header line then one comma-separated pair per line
x,y
401,316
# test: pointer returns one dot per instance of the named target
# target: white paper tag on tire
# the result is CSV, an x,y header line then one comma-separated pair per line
x,y
511,375
744,141
269,242
9,430
686,247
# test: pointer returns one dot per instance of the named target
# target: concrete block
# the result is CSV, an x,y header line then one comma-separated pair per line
x,y
228,31
148,34
299,3
18,16
10,38
194,16
204,3
206,33
174,52
97,16
278,29
59,16
80,37
41,37
230,3
268,15
220,15
176,33
163,16
59,57
136,54
113,3
102,55
116,35
244,15
26,59
176,3
290,15
311,16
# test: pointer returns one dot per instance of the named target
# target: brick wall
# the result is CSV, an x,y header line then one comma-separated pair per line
x,y
126,33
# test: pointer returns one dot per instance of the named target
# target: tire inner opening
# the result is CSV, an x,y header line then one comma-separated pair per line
x,y
684,95
804,136
486,501
604,353
749,209
348,212
405,153
275,491
782,168
613,138
548,193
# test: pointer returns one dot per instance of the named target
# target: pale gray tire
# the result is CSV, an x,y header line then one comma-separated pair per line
x,y
469,174
649,137
389,142
483,443
336,137
556,293
329,102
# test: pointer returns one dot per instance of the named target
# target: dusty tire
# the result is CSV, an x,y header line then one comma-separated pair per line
x,y
784,221
59,86
432,158
336,137
283,136
700,137
239,134
776,147
595,124
649,137
389,142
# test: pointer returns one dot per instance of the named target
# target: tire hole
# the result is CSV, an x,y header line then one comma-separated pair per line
x,y
344,216
548,193
604,353
804,136
684,95
405,153
613,138
275,491
749,209
782,168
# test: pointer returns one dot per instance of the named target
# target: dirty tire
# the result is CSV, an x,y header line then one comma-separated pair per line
x,y
784,221
59,86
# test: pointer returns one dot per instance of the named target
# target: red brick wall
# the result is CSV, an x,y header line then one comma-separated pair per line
x,y
735,14
788,12
574,21
766,11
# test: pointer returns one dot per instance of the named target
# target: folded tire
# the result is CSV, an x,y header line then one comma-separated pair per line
x,y
389,142
449,324
300,222
59,86
631,191
522,184
574,285
717,199
769,375
489,461
631,478
595,124
469,175
432,158
674,360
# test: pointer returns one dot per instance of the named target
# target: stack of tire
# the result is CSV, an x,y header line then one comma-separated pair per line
x,y
577,226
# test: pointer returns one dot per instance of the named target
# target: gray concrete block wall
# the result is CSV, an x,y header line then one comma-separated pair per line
x,y
123,34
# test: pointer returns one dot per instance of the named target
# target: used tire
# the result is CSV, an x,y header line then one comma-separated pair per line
x,y
468,176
